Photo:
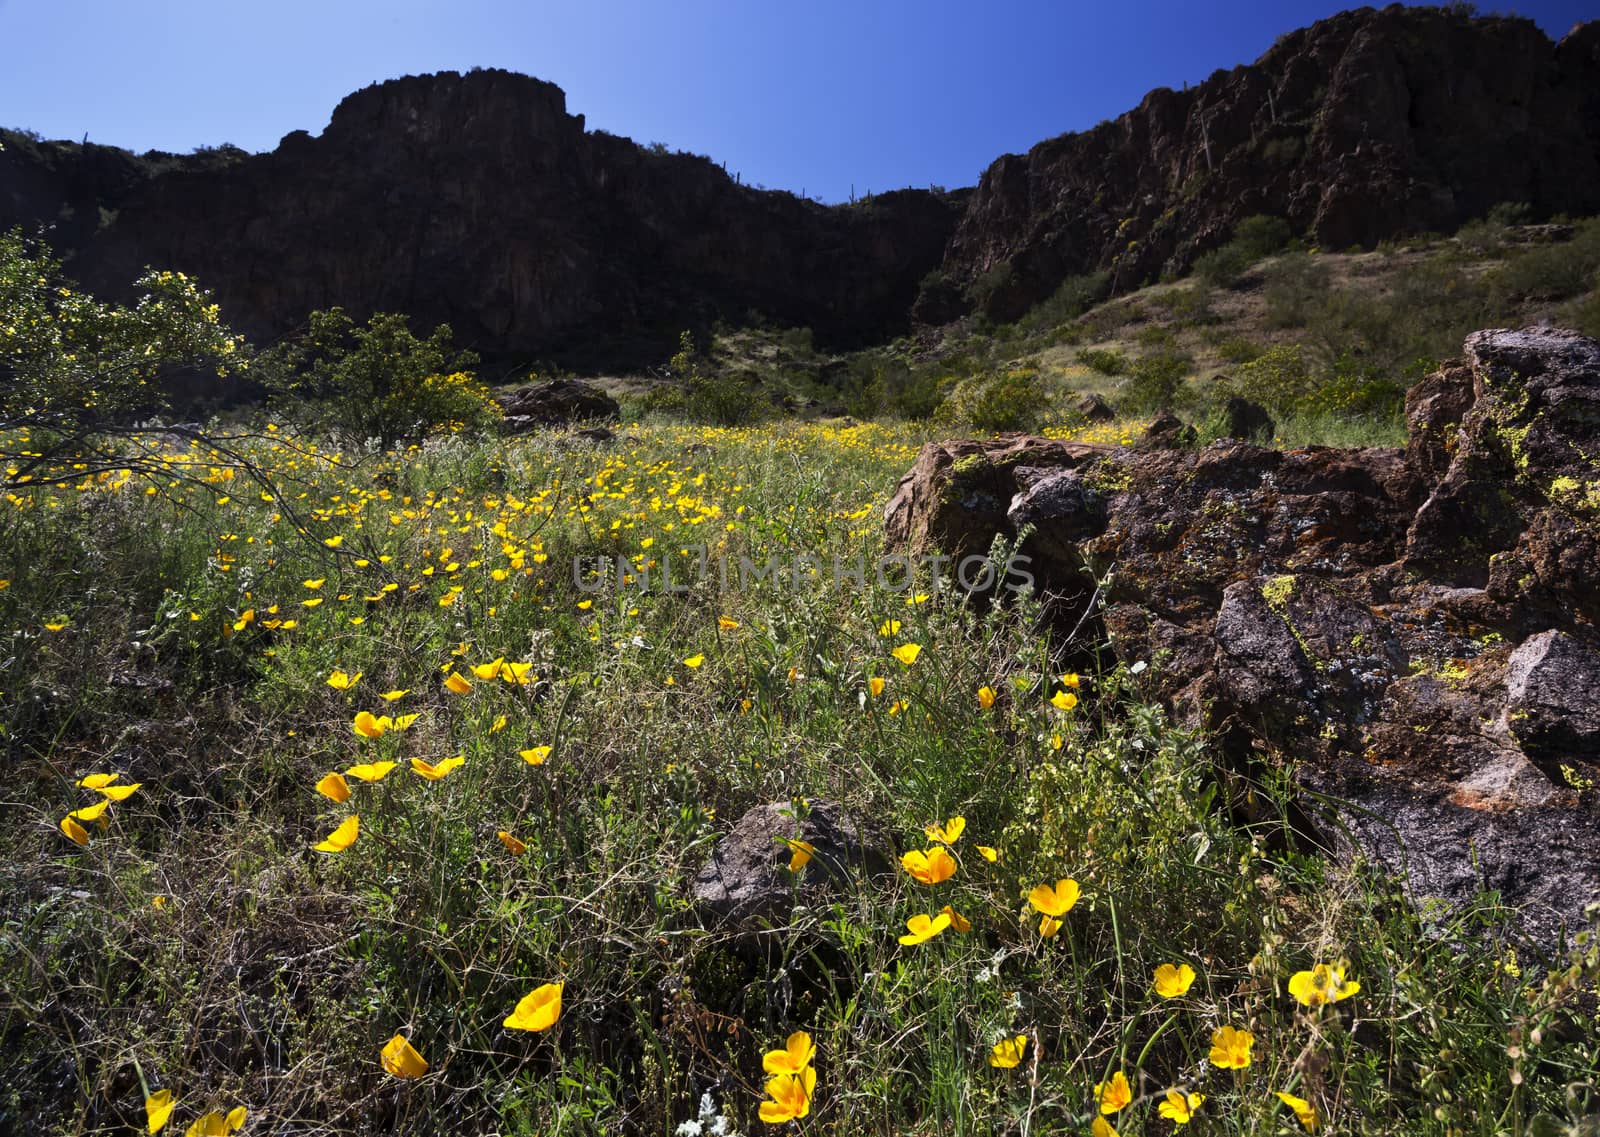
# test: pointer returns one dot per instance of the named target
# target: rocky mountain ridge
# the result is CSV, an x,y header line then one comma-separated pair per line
x,y
478,200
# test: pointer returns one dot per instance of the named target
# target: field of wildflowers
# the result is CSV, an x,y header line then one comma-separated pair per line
x,y
339,801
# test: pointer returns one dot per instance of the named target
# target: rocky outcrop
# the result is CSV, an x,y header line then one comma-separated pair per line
x,y
477,200
554,402
1413,632
748,879
1359,128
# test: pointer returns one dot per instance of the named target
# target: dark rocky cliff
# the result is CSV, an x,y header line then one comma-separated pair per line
x,y
1370,125
478,200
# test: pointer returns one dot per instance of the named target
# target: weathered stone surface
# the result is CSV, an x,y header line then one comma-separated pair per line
x,y
1095,409
748,880
1167,432
1413,631
555,402
1247,420
1553,699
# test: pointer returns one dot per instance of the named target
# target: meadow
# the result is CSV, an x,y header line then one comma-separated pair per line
x,y
418,807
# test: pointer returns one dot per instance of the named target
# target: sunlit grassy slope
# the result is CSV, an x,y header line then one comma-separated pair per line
x,y
227,642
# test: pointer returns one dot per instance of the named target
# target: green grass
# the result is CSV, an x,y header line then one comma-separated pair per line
x,y
272,974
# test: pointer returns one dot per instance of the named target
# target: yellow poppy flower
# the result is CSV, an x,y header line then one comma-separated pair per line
x,y
315,584
1172,981
790,1096
391,696
535,756
97,781
457,682
1179,1106
401,1059
929,867
1057,901
216,1124
950,832
538,1010
343,680
312,603
1100,1127
797,1053
1230,1048
403,722
434,772
907,653
922,928
1049,926
158,1109
92,812
333,542
727,623
120,793
1007,1053
1304,1111
488,670
499,724
1324,983
1070,679
888,627
986,697
957,921
368,725
516,847
334,786
517,674
1063,700
341,838
802,852
1113,1095
989,854
875,685
369,771
695,660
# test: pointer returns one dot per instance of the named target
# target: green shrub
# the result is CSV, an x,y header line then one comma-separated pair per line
x,y
1155,381
1279,379
70,363
1190,306
1105,361
1222,267
1238,349
375,381
1014,401
1253,238
1073,296
1297,285
1552,272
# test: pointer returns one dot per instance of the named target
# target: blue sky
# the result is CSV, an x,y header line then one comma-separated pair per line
x,y
818,97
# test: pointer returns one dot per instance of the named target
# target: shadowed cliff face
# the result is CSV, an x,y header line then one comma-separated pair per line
x,y
1370,125
476,199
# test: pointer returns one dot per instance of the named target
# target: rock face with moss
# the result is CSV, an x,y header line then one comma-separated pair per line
x,y
1413,632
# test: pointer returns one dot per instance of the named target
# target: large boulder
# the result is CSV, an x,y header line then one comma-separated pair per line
x,y
555,402
1413,632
